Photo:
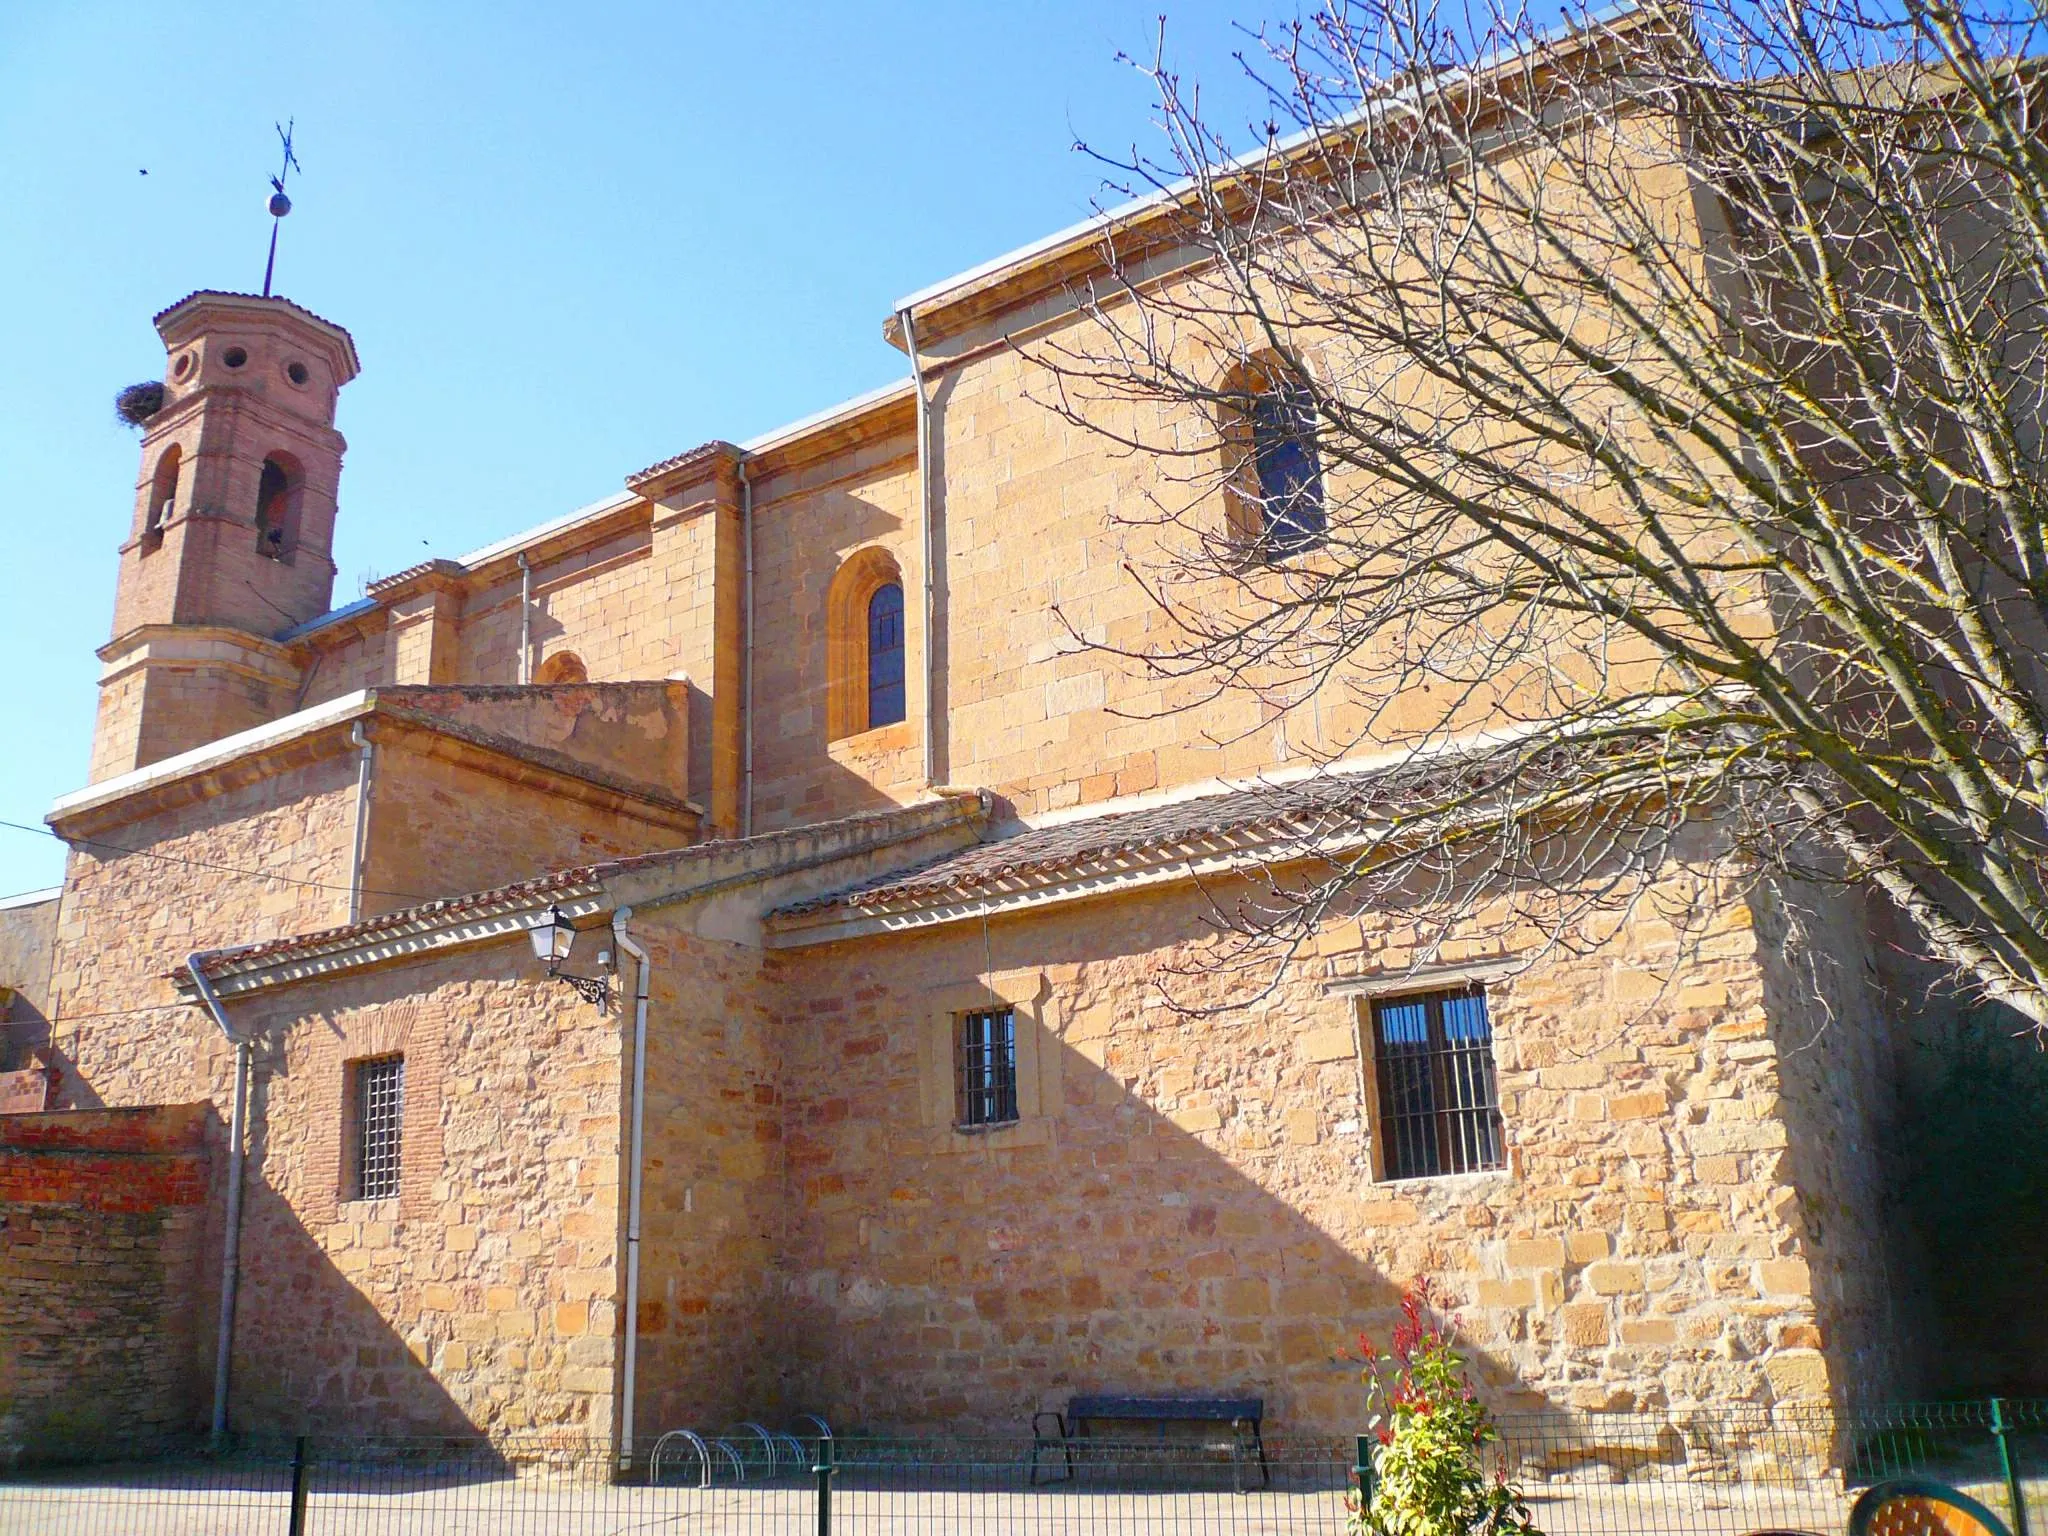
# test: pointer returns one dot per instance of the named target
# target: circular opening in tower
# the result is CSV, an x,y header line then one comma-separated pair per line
x,y
234,357
182,369
298,373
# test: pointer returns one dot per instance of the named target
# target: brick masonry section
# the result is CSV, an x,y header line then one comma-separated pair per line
x,y
103,1257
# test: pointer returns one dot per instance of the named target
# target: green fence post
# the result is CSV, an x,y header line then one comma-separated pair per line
x,y
2003,1431
298,1515
1363,1472
823,1472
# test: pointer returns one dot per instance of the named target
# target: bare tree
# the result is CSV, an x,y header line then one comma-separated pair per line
x,y
1635,429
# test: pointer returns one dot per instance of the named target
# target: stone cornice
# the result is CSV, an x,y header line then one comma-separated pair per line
x,y
185,644
372,612
670,475
269,750
427,576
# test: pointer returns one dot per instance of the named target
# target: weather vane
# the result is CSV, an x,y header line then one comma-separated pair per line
x,y
280,205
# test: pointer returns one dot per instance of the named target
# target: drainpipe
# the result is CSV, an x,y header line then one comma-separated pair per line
x,y
360,853
924,505
525,619
640,979
231,1246
747,656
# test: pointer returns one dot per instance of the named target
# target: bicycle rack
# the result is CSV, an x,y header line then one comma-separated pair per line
x,y
747,1452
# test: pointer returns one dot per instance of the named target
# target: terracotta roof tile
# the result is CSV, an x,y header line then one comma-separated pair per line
x,y
1304,808
1322,809
229,293
710,450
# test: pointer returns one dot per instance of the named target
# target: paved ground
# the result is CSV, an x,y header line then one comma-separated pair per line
x,y
223,1502
523,1509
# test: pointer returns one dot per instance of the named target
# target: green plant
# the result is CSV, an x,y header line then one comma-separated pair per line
x,y
1430,1474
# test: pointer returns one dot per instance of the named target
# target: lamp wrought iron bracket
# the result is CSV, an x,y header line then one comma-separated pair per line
x,y
592,989
552,938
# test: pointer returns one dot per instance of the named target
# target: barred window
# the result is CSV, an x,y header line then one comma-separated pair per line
x,y
1439,1109
379,1121
985,1060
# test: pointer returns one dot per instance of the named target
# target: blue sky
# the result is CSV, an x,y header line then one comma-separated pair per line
x,y
569,241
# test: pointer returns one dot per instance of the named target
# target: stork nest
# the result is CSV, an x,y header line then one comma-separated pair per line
x,y
138,402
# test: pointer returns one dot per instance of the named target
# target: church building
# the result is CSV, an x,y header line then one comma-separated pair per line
x,y
743,947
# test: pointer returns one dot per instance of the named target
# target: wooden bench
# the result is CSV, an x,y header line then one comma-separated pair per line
x,y
1244,1415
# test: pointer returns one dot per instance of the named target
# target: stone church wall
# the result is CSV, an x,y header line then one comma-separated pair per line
x,y
483,1295
1840,1070
710,1347
1191,1204
194,877
442,826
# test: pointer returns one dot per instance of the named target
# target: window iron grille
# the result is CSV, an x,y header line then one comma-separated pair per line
x,y
1439,1105
380,1116
985,1054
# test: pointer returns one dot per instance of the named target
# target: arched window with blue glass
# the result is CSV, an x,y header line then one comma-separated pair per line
x,y
885,655
1274,473
865,643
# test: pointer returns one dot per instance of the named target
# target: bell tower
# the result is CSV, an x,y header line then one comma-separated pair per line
x,y
231,543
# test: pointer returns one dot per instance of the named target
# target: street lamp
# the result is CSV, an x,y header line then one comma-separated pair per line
x,y
552,939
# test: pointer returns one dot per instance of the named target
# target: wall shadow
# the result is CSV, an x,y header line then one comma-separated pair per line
x,y
313,1353
938,1282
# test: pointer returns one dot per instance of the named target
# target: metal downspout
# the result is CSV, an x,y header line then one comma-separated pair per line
x,y
640,982
360,853
231,1245
924,506
525,619
747,655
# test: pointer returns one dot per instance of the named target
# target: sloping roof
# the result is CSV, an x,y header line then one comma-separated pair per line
x,y
426,914
1305,810
717,861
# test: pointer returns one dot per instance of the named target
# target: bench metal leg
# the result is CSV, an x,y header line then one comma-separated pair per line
x,y
1239,1428
1041,1442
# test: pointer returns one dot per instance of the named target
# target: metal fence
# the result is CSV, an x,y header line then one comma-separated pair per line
x,y
1714,1473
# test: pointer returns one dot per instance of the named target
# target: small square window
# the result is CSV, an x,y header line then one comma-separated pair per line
x,y
1439,1109
378,1109
985,1067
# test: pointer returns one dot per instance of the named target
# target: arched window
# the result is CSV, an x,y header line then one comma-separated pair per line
x,y
885,656
163,498
277,508
1275,474
562,667
864,644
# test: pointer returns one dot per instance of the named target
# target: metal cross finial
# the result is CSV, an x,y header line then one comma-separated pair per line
x,y
280,205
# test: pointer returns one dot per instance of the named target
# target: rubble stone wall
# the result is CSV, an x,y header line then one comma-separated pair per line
x,y
1191,1204
482,1296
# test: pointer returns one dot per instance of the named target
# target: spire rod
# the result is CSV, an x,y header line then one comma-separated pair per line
x,y
280,205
